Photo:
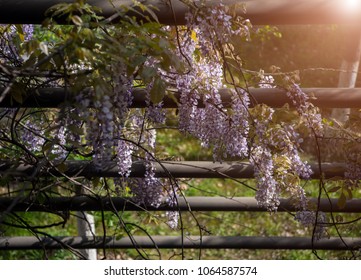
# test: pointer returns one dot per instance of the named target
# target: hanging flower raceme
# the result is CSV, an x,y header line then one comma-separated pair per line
x,y
201,109
236,133
305,108
32,136
268,191
316,221
124,158
11,37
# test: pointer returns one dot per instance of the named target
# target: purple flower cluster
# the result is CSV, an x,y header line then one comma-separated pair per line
x,y
57,150
353,170
28,30
148,190
287,141
305,108
308,219
171,200
122,92
124,157
266,81
8,49
155,113
268,192
173,218
235,133
105,122
277,163
214,27
202,114
101,130
214,127
31,136
353,166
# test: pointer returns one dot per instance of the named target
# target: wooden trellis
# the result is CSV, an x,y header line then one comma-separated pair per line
x,y
259,12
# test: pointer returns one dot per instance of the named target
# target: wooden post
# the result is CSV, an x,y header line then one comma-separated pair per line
x,y
349,68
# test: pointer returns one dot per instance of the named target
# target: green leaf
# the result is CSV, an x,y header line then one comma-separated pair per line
x,y
17,92
41,198
76,129
58,62
44,48
339,219
147,74
334,189
349,194
20,31
148,10
77,20
95,182
62,167
341,203
158,91
47,146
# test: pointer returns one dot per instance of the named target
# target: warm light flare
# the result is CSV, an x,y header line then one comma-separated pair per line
x,y
351,5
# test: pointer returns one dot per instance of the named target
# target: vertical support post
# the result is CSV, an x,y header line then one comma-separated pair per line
x,y
349,67
86,228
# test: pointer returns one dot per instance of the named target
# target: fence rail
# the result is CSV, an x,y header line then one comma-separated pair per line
x,y
273,97
162,169
172,12
193,203
175,242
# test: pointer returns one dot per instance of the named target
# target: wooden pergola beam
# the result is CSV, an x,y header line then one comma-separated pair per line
x,y
162,169
171,242
273,97
258,11
192,203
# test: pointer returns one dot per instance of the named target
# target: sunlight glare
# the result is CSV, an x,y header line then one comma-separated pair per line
x,y
352,5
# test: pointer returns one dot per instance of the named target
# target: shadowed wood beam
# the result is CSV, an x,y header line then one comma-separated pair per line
x,y
194,203
258,11
189,242
273,97
163,169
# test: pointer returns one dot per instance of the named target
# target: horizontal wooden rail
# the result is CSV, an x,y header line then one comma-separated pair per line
x,y
239,204
163,169
170,242
273,97
258,11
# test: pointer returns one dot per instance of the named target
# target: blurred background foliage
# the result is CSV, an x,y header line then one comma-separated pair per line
x,y
314,51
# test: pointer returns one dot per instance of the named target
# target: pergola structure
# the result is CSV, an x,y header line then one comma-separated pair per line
x,y
259,12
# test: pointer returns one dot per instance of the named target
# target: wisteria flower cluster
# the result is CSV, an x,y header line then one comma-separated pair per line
x,y
308,219
201,110
11,41
32,136
305,108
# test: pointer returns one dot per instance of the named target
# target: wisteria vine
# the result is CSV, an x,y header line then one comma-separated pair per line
x,y
103,127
